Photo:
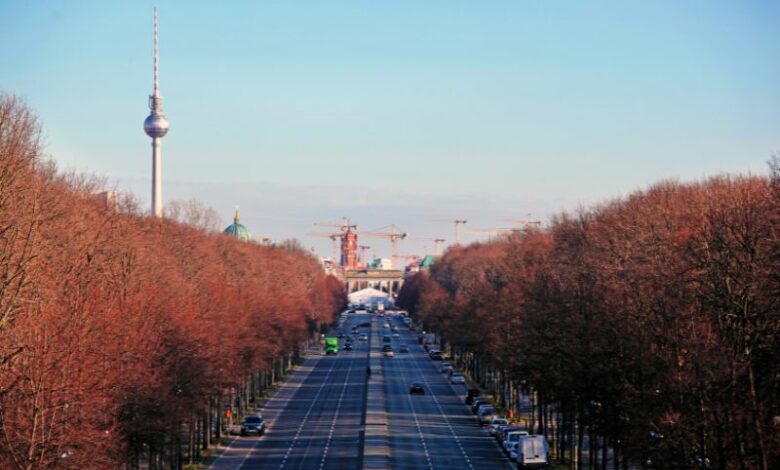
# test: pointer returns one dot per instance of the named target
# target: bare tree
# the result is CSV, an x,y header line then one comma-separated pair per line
x,y
194,213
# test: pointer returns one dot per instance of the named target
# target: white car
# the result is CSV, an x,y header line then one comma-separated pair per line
x,y
389,354
493,428
457,378
512,438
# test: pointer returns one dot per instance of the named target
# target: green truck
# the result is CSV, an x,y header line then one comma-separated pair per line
x,y
331,346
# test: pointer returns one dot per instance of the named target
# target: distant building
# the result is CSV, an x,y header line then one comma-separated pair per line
x,y
238,230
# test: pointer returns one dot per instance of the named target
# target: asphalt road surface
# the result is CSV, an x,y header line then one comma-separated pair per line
x,y
316,419
435,430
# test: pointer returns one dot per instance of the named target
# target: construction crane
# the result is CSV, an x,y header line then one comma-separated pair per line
x,y
528,222
437,243
334,238
363,249
458,223
345,226
392,235
348,237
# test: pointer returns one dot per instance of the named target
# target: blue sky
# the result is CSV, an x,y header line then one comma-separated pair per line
x,y
401,112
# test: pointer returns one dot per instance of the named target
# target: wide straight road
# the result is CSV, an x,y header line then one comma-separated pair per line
x,y
435,430
315,420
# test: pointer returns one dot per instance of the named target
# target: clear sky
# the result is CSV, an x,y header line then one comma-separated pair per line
x,y
401,111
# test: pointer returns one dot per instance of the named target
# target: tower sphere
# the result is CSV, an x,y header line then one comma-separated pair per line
x,y
156,125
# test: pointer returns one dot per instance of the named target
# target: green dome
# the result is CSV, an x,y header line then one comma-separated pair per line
x,y
238,230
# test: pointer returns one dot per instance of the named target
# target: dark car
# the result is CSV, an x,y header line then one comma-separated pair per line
x,y
404,348
472,394
435,354
341,335
417,389
253,424
386,339
348,347
386,348
478,401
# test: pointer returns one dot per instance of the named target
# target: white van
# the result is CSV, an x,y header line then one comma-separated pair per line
x,y
533,452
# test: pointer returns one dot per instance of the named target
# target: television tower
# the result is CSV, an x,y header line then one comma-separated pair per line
x,y
156,126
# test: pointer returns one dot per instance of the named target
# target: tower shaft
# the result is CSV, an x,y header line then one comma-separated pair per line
x,y
157,178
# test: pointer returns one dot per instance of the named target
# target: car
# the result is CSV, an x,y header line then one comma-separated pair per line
x,y
386,348
347,347
363,337
502,431
386,325
485,414
457,378
417,388
389,353
533,452
445,367
477,402
396,335
404,349
253,424
495,423
340,335
511,438
435,355
471,394
386,339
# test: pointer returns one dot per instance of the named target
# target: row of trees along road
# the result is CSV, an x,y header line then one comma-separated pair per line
x,y
122,337
646,329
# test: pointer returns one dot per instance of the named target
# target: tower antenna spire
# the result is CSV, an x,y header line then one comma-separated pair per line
x,y
156,57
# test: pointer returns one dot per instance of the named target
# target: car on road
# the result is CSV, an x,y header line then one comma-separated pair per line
x,y
477,402
340,335
533,452
389,353
396,335
495,423
511,438
445,367
417,388
347,347
386,339
253,424
471,395
457,378
386,348
502,431
436,355
404,349
486,413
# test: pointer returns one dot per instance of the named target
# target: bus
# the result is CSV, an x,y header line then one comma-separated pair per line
x,y
331,346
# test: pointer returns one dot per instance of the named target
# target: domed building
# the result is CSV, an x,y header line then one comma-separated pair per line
x,y
238,230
